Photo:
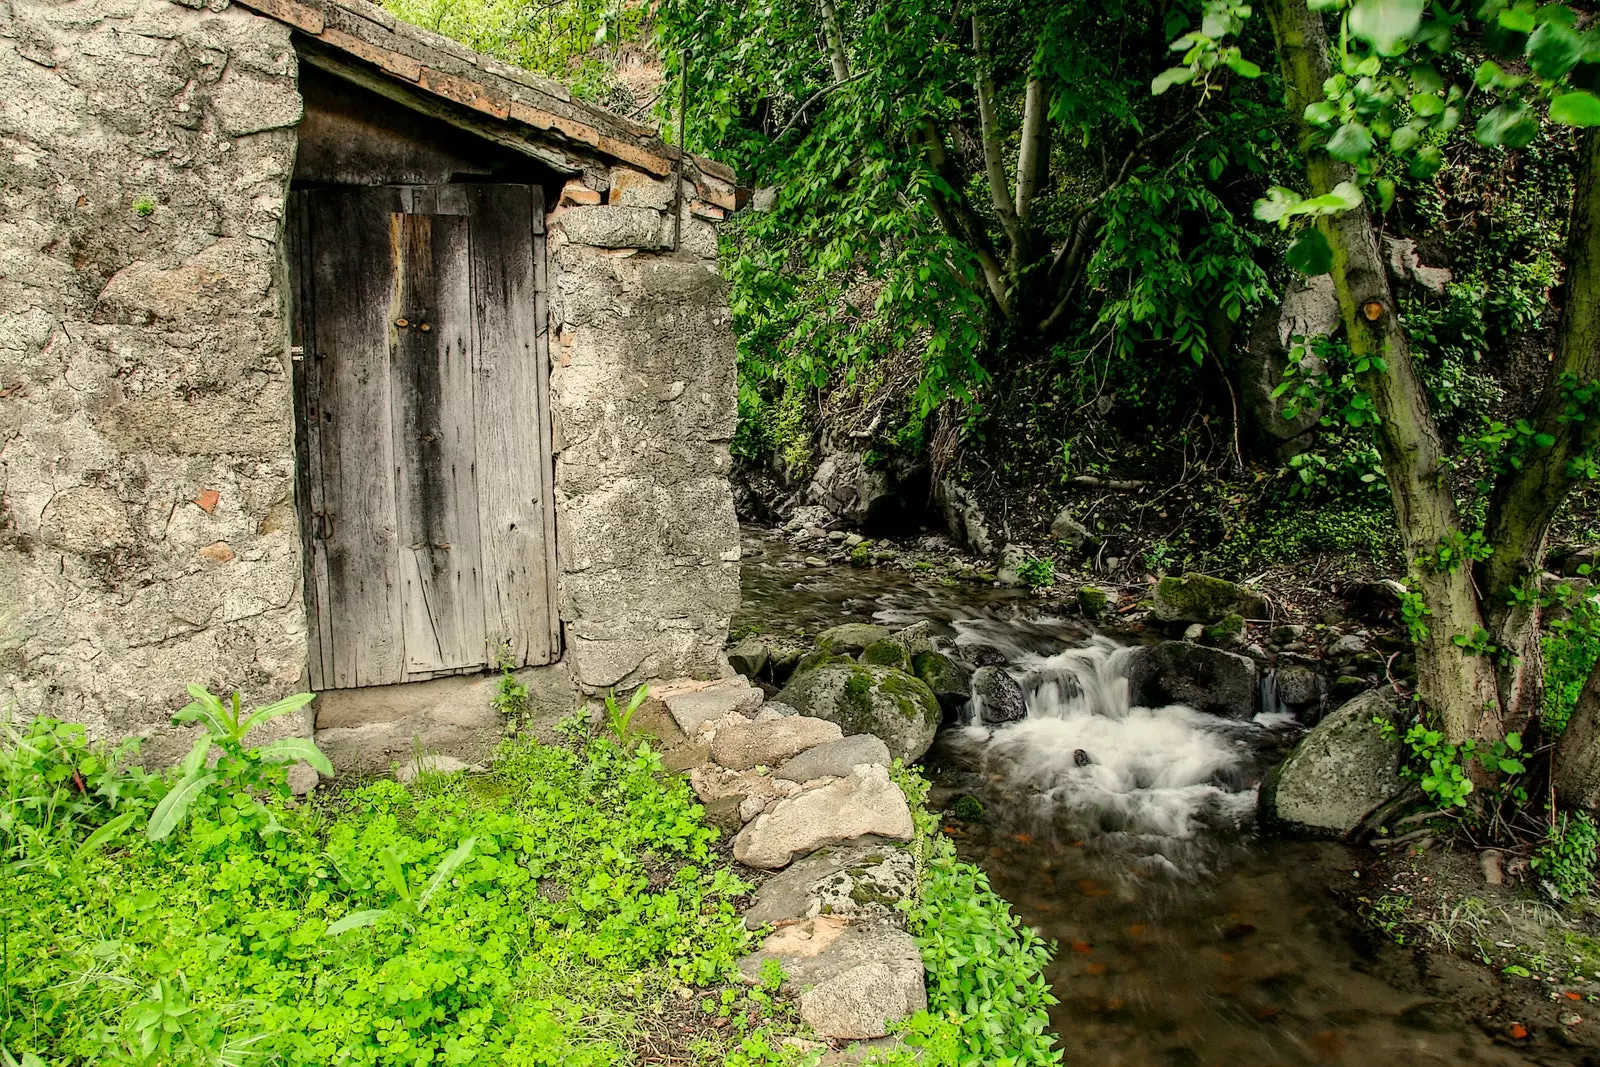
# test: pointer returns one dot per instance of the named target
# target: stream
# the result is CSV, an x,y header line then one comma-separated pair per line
x,y
1126,835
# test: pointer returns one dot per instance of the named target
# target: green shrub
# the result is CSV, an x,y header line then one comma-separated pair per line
x,y
1565,863
518,917
1037,572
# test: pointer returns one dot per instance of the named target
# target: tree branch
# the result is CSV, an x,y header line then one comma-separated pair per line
x,y
1526,499
960,222
812,99
1033,157
989,132
836,54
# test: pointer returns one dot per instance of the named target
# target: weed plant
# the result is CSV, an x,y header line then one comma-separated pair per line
x,y
547,912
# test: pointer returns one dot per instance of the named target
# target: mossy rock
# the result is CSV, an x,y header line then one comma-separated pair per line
x,y
1228,630
890,653
851,638
1204,599
1093,601
950,681
867,699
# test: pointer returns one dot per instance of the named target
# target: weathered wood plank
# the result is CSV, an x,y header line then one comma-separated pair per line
x,y
352,275
307,436
515,474
547,455
435,450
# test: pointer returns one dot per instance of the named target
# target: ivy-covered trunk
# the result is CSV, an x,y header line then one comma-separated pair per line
x,y
1455,679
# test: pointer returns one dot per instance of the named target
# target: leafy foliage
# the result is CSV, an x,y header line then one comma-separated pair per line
x,y
524,916
1565,862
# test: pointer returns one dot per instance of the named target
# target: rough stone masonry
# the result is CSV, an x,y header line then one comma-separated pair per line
x,y
149,535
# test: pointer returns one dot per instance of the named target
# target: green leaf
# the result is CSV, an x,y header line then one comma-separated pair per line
x,y
1514,741
1388,25
1310,254
1517,19
290,749
275,710
1511,124
1405,139
1426,105
357,919
107,833
1277,204
446,867
1351,143
1576,109
1385,194
396,875
175,805
1170,77
1554,49
1241,66
1511,766
1427,161
1321,113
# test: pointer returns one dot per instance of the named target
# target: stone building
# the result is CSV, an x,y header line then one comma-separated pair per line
x,y
337,355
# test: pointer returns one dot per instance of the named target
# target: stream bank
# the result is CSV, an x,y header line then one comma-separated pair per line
x,y
1127,836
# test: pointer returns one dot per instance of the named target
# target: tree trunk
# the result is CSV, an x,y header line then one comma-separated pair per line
x,y
1575,767
1527,498
1457,686
836,54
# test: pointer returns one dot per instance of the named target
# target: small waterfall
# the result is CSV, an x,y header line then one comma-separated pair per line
x,y
1274,712
1099,766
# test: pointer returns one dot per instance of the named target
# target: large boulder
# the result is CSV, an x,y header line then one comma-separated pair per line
x,y
1204,599
867,802
852,638
1340,771
950,681
1309,309
1206,679
996,696
749,657
864,699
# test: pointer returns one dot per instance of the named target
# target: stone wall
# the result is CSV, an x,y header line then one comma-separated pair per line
x,y
147,529
644,397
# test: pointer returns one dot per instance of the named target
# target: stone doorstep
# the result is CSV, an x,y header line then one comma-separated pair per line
x,y
693,703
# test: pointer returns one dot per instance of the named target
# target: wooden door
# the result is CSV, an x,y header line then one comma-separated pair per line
x,y
422,383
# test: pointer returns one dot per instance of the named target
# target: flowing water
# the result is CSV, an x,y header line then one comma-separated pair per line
x,y
1126,834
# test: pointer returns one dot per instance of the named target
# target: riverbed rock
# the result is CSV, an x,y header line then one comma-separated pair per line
x,y
867,802
996,696
853,881
1204,599
981,655
1069,531
1298,685
852,638
749,657
854,980
1206,679
918,637
889,653
1009,570
950,681
964,518
1093,601
863,699
768,743
835,759
1340,771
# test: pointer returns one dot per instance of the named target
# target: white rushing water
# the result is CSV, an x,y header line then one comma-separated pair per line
x,y
1099,766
